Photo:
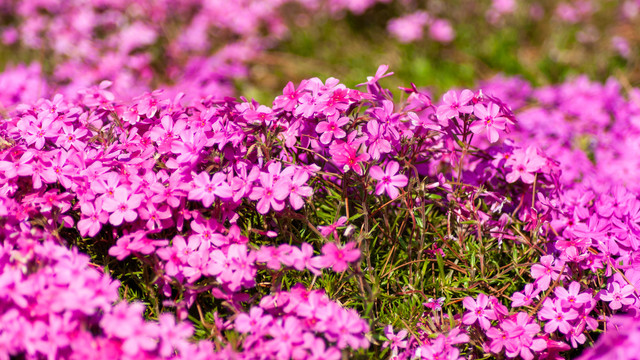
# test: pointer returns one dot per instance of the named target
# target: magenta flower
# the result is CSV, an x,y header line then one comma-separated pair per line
x,y
558,317
256,321
441,30
328,229
265,194
380,73
617,296
292,184
489,121
388,181
347,157
478,311
572,297
337,258
207,190
408,28
526,297
289,98
524,164
546,271
92,218
123,205
453,105
394,341
287,336
332,128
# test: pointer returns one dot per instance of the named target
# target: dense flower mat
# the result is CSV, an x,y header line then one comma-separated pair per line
x,y
227,205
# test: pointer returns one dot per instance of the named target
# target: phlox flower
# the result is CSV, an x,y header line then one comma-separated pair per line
x,y
557,316
453,105
92,218
572,297
122,206
441,30
380,73
331,128
394,341
292,185
289,98
256,321
337,258
287,337
488,120
207,190
618,296
265,194
346,156
388,181
524,163
408,28
325,230
478,311
526,297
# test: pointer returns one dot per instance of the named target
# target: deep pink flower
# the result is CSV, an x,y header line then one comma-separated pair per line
x,y
325,230
123,205
346,156
557,316
337,258
526,297
488,120
255,322
380,73
265,194
331,128
572,297
292,184
92,218
524,164
388,181
207,189
547,270
617,296
478,311
453,105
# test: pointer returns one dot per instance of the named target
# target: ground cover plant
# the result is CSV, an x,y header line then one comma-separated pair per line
x,y
326,222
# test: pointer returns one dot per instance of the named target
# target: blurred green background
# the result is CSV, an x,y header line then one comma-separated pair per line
x,y
542,49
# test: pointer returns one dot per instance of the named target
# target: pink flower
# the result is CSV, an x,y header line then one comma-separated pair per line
x,y
618,296
478,311
488,120
332,128
328,229
524,298
546,271
441,30
557,316
408,28
289,98
572,297
206,189
346,156
92,218
255,322
122,206
337,258
292,185
265,194
394,341
524,164
388,181
380,73
452,105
